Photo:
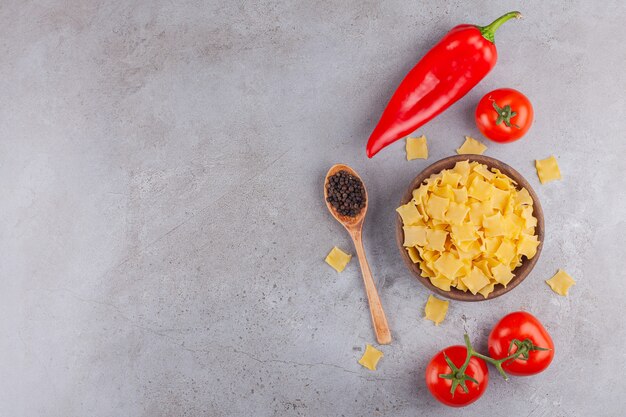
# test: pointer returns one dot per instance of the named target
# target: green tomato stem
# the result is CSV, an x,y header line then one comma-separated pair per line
x,y
459,377
524,349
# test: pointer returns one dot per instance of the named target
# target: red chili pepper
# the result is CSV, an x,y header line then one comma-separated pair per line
x,y
446,73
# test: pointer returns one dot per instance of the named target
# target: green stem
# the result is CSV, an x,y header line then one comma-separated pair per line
x,y
495,362
458,376
470,350
489,31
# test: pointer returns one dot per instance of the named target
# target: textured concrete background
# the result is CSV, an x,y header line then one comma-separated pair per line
x,y
163,230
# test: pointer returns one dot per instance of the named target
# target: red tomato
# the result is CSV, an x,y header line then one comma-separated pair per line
x,y
520,326
504,115
440,387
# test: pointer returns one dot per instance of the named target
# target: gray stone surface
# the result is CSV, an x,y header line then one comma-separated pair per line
x,y
163,230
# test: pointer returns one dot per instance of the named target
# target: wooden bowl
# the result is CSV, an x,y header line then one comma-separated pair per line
x,y
527,264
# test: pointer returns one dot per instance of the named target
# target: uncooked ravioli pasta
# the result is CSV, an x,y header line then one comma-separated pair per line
x,y
469,228
416,148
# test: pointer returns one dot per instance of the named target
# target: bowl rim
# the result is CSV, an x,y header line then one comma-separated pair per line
x,y
521,272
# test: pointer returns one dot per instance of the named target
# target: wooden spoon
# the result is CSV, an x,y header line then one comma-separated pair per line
x,y
354,226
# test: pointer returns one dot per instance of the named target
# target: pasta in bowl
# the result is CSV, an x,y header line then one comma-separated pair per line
x,y
470,227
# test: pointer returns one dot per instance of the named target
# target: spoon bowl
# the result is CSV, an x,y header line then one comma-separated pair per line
x,y
350,223
354,226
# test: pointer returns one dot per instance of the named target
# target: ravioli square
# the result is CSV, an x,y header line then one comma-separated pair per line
x,y
426,271
522,197
548,169
463,169
416,148
502,274
338,259
471,146
463,232
476,280
513,225
480,190
450,178
370,357
484,172
487,289
494,225
448,265
483,265
502,183
436,309
500,199
444,191
506,252
510,205
460,285
492,244
561,282
460,195
442,283
415,235
456,213
413,254
410,215
469,250
419,194
435,239
479,210
436,207
527,245
527,215
427,255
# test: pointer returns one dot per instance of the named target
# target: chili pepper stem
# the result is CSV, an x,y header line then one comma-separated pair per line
x,y
489,31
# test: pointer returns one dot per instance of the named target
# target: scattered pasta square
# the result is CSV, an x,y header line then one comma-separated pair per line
x,y
436,309
471,146
371,357
416,148
561,282
548,170
338,259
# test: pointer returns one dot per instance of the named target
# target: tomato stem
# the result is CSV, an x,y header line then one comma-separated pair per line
x,y
504,115
522,349
458,376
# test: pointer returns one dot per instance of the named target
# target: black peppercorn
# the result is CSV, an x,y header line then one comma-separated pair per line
x,y
346,193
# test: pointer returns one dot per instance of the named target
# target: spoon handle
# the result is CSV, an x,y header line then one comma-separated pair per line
x,y
381,328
